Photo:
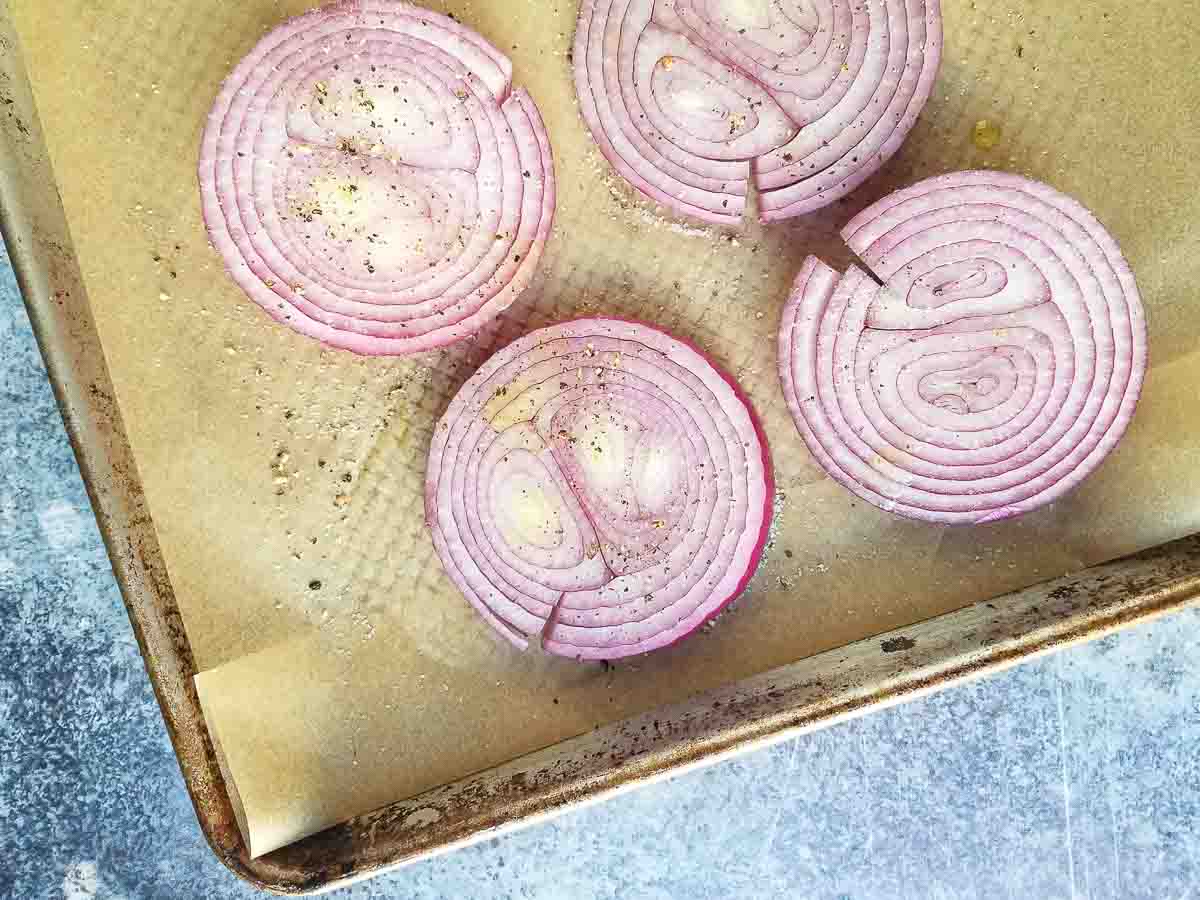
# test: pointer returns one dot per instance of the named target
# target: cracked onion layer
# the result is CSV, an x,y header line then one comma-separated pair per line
x,y
371,178
998,365
693,100
599,487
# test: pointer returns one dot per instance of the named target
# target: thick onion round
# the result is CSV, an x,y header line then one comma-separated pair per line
x,y
372,180
995,369
600,487
691,100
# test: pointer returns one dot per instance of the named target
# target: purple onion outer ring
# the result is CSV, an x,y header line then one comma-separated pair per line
x,y
273,165
652,464
804,123
995,369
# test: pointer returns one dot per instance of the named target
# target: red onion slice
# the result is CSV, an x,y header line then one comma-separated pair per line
x,y
371,178
995,369
600,487
694,100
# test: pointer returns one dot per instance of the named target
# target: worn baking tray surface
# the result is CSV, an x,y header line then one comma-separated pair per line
x,y
284,479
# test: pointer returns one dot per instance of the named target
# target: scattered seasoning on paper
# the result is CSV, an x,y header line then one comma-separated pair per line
x,y
985,134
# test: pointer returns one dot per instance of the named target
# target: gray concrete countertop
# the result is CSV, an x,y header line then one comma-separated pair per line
x,y
1077,776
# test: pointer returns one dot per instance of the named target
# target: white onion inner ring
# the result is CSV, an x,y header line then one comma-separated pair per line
x,y
599,487
694,101
993,371
371,178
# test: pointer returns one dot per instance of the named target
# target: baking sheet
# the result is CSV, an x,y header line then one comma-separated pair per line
x,y
271,464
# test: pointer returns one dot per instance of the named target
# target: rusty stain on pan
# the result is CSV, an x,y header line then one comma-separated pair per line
x,y
815,692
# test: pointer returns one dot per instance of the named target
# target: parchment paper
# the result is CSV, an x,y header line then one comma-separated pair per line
x,y
342,670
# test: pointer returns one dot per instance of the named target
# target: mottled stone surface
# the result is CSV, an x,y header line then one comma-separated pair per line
x,y
1073,777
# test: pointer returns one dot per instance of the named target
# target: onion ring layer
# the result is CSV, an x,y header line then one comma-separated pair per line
x,y
371,179
995,369
690,100
600,487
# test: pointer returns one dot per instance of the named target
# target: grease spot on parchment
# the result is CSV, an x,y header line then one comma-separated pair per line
x,y
447,630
